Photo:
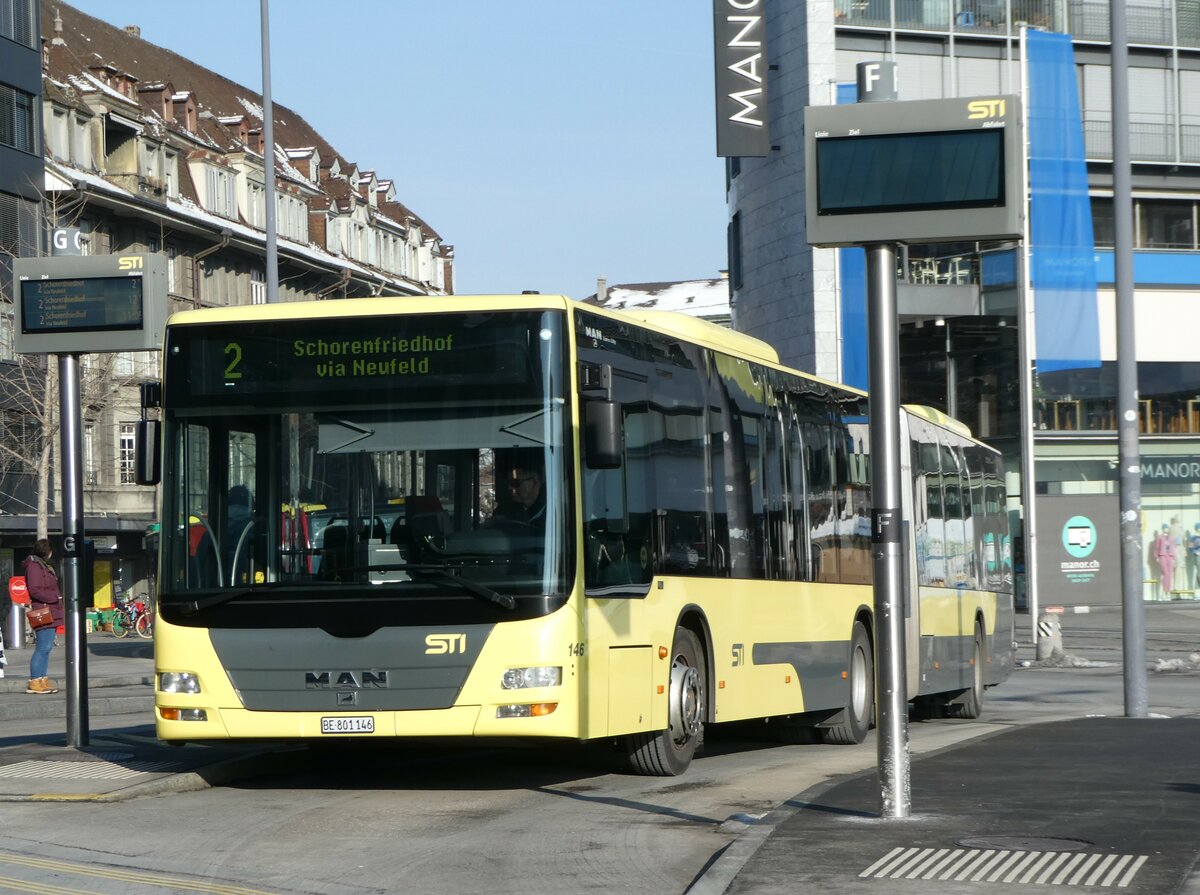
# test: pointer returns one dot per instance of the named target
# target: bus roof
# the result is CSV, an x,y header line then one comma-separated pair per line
x,y
695,330
935,416
368,307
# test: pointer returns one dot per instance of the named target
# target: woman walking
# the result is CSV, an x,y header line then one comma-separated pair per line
x,y
43,590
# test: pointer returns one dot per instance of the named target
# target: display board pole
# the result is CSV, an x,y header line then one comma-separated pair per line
x,y
886,531
71,453
1137,701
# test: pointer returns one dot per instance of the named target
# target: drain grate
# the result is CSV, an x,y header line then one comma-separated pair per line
x,y
1039,868
82,770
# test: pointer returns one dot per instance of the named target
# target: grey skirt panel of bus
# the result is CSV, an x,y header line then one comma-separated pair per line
x,y
818,668
305,669
946,662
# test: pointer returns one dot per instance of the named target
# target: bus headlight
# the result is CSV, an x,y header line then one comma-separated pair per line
x,y
178,682
183,714
539,676
536,710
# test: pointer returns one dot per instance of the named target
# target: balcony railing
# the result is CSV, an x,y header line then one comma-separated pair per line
x,y
1148,142
1158,416
1148,23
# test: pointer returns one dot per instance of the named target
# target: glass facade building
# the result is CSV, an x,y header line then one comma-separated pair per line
x,y
960,302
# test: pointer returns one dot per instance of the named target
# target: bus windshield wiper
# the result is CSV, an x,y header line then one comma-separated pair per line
x,y
440,574
191,607
446,578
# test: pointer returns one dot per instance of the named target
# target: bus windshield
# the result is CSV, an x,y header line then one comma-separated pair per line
x,y
391,455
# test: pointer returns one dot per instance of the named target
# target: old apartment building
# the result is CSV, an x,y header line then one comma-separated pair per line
x,y
146,151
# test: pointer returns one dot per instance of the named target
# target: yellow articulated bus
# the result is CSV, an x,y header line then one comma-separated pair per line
x,y
521,516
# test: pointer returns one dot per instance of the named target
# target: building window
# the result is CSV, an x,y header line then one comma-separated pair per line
x,y
258,287
18,126
1166,225
91,474
735,252
126,453
219,192
1157,223
6,335
16,22
1102,223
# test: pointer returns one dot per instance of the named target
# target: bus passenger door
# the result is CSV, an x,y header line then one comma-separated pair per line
x,y
911,596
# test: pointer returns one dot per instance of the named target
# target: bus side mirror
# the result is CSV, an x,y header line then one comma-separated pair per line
x,y
147,470
602,434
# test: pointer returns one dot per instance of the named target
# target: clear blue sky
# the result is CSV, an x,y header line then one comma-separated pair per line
x,y
550,141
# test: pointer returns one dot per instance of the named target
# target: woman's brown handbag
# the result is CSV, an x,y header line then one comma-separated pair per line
x,y
40,617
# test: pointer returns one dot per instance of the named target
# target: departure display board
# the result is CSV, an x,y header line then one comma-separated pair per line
x,y
91,304
911,172
922,171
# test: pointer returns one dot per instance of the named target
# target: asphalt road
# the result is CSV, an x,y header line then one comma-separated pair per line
x,y
494,819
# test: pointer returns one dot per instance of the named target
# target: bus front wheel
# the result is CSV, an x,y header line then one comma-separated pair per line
x,y
850,726
667,753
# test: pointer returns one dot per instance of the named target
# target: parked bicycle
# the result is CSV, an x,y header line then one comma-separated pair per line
x,y
133,614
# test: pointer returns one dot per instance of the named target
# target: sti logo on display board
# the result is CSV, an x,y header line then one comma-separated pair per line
x,y
1079,554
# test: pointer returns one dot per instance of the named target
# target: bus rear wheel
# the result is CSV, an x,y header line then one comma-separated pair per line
x,y
667,753
850,726
969,703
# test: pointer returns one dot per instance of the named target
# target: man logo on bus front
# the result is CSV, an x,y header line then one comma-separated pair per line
x,y
345,680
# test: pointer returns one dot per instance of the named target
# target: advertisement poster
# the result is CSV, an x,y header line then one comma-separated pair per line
x,y
1079,550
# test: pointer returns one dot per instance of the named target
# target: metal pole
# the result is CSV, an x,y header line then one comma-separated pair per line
x,y
1027,335
269,160
71,452
1128,451
886,544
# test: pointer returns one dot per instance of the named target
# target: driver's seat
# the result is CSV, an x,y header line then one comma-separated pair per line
x,y
423,519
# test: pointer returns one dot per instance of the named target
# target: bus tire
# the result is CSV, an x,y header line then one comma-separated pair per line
x,y
969,703
667,753
850,726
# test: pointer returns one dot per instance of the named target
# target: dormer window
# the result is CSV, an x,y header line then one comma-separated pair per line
x,y
219,194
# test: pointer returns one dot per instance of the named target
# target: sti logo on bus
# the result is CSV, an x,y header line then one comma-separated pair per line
x,y
130,262
345,680
441,644
985,108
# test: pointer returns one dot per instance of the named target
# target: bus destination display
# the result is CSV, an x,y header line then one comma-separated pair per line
x,y
344,360
90,304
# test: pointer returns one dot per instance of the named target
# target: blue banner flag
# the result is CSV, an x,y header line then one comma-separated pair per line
x,y
1062,250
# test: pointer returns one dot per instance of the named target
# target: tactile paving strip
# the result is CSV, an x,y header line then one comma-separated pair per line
x,y
82,770
1038,868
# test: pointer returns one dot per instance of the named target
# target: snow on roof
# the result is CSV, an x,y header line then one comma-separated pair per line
x,y
188,209
87,83
253,108
699,298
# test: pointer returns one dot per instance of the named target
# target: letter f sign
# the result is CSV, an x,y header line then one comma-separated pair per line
x,y
871,72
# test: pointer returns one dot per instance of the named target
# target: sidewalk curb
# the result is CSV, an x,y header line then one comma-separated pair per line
x,y
264,763
17,684
720,873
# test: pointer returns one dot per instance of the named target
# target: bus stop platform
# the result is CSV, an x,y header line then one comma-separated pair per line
x,y
121,757
1078,805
